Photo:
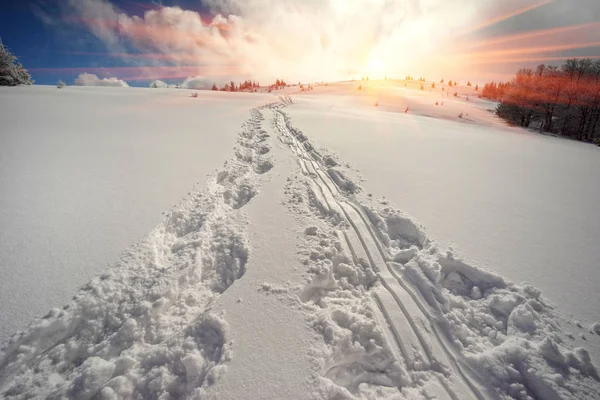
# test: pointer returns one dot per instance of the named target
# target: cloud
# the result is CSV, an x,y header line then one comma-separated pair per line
x,y
299,40
264,39
85,79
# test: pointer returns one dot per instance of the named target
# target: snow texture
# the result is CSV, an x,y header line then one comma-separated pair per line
x,y
400,316
394,315
77,191
145,329
490,191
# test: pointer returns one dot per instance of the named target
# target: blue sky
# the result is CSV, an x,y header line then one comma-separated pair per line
x,y
44,48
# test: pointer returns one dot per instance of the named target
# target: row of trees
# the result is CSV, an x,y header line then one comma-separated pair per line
x,y
248,86
563,100
411,78
232,87
279,83
494,90
12,72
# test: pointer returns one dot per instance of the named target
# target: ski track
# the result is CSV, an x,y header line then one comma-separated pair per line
x,y
408,324
145,329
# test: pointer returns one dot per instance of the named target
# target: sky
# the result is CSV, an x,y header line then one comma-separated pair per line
x,y
117,41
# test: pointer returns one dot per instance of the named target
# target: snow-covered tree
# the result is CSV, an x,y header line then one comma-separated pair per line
x,y
60,84
12,72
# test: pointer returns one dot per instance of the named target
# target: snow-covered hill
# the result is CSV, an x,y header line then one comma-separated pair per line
x,y
280,277
87,171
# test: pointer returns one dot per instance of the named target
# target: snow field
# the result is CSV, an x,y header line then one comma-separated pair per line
x,y
86,172
393,315
145,327
511,201
398,314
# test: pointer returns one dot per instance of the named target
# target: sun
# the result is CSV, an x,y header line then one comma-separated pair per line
x,y
376,67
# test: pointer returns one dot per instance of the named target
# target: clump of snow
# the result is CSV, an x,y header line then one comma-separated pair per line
x,y
340,179
329,161
506,332
273,288
354,352
85,79
311,230
396,229
476,293
596,328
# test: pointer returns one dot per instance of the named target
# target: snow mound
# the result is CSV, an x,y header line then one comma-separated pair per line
x,y
85,79
144,328
158,84
342,182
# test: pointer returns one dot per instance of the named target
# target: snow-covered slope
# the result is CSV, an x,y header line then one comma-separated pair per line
x,y
85,172
519,203
276,280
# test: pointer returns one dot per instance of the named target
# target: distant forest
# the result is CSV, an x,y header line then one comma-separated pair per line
x,y
561,100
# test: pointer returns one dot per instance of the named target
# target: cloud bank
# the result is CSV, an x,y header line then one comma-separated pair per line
x,y
298,40
85,79
330,39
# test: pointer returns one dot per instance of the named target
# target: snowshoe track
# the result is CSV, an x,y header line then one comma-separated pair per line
x,y
411,334
145,328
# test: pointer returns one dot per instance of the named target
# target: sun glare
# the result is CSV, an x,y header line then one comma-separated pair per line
x,y
376,68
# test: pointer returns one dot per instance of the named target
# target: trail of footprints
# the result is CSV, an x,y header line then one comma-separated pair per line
x,y
161,290
412,337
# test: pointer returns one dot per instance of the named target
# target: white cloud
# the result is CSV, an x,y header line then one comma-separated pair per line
x,y
86,79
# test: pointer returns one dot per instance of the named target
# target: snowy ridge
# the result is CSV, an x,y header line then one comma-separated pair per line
x,y
399,315
145,329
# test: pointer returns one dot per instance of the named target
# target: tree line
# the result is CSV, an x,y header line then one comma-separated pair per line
x,y
232,87
563,100
248,85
